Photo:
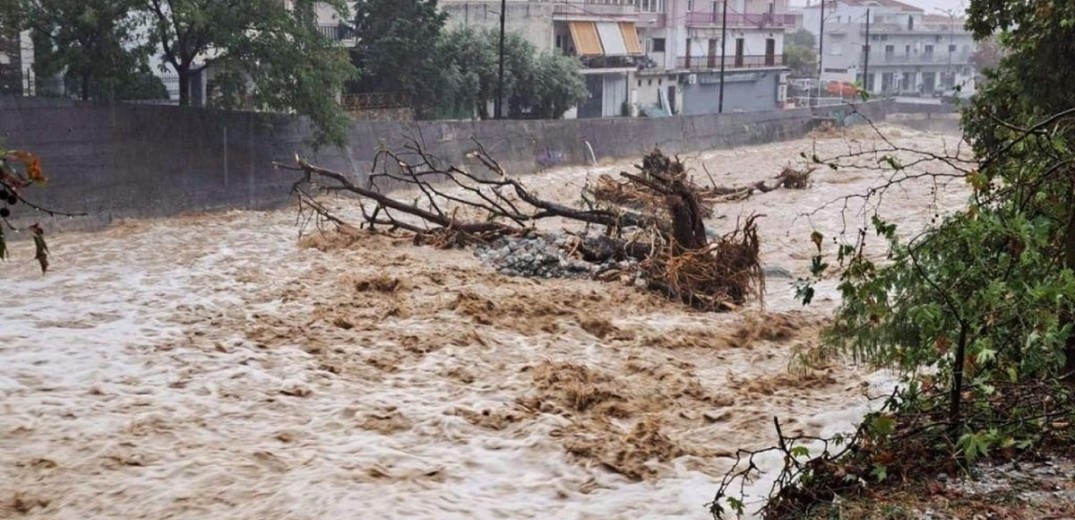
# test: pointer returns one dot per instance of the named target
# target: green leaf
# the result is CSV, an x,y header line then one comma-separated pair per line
x,y
800,451
974,445
880,471
736,505
882,425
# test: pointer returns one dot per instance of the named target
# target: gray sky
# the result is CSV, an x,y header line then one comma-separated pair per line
x,y
928,5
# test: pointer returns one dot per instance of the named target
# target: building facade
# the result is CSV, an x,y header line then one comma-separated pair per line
x,y
647,57
901,51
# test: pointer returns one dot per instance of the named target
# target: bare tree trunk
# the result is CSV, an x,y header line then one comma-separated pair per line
x,y
184,85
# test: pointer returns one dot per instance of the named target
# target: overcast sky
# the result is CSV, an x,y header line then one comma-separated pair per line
x,y
928,5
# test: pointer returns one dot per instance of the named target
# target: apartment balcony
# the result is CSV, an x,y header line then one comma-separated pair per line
x,y
925,58
732,61
738,20
338,32
924,30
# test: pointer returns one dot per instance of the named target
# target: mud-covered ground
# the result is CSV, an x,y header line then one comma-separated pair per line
x,y
218,367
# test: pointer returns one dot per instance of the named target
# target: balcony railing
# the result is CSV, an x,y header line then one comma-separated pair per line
x,y
731,61
714,18
881,28
924,58
606,7
336,32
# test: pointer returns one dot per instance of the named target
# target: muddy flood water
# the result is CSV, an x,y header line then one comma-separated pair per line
x,y
218,367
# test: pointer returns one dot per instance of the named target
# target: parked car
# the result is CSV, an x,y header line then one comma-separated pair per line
x,y
841,88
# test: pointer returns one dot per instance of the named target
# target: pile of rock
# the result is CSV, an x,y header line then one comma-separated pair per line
x,y
542,256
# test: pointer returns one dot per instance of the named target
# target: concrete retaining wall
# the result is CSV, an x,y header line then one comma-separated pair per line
x,y
118,161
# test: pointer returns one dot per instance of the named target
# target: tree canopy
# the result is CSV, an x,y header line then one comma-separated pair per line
x,y
265,54
799,50
396,49
93,44
537,85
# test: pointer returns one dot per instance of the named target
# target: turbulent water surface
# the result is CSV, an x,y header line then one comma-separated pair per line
x,y
218,367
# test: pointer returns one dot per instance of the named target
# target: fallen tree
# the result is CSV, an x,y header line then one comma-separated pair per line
x,y
658,226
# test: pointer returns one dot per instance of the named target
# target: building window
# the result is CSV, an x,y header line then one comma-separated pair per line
x,y
660,82
690,5
640,83
951,48
658,45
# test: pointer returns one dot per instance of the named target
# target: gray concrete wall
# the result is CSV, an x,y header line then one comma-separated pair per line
x,y
743,91
114,161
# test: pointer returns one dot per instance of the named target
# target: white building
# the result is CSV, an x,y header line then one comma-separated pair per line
x,y
910,52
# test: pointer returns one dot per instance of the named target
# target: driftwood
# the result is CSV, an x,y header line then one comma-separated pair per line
x,y
454,207
789,178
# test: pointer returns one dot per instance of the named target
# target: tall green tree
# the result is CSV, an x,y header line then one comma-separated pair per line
x,y
94,44
267,55
537,85
987,294
800,54
396,40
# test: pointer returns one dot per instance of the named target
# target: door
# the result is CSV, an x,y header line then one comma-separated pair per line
x,y
712,53
770,52
739,46
907,84
929,82
593,106
672,98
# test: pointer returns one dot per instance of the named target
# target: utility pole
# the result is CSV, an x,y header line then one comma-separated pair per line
x,y
499,105
820,53
866,66
723,52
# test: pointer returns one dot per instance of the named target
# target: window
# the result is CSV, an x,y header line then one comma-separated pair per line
x,y
690,5
658,45
650,6
951,48
910,23
890,49
929,49
640,83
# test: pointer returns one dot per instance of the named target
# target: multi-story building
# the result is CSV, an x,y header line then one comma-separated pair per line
x,y
16,64
908,52
648,57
